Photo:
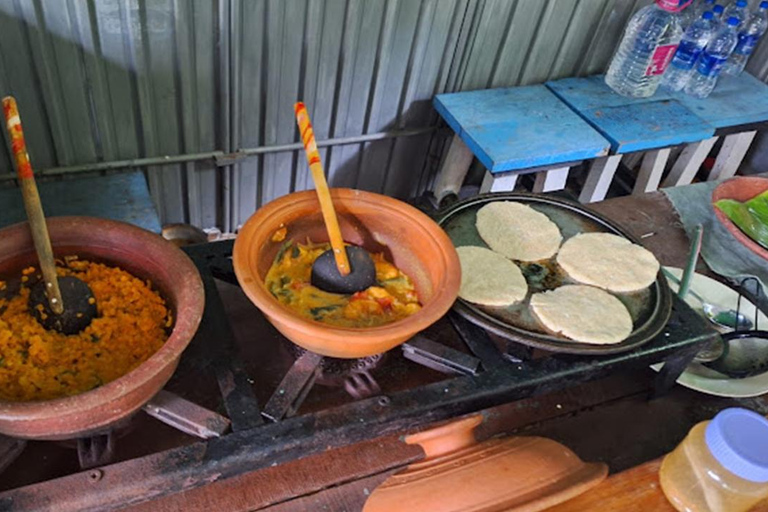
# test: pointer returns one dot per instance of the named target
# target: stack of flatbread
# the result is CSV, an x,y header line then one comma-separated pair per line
x,y
599,262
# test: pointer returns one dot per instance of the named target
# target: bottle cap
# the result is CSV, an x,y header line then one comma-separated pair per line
x,y
738,440
763,5
718,9
733,21
707,15
741,3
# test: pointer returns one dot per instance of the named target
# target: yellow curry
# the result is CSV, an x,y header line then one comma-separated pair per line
x,y
35,364
393,298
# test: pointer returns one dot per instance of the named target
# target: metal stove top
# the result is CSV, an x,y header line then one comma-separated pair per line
x,y
252,400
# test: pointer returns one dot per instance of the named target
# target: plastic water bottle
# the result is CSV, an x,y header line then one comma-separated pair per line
x,y
648,44
694,40
738,9
749,35
687,17
712,59
717,10
701,6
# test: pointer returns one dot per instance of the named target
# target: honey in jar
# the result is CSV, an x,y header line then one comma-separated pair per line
x,y
721,465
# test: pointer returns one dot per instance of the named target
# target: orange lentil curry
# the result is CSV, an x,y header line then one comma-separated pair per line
x,y
392,298
36,364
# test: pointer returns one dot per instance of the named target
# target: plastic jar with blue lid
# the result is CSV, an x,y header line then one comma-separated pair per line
x,y
721,465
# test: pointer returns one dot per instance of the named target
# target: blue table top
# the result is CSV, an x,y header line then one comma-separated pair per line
x,y
124,197
519,128
632,124
737,100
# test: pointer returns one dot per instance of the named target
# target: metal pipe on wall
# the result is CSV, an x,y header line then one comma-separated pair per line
x,y
222,159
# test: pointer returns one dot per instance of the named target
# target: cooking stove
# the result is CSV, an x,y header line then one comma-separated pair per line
x,y
244,398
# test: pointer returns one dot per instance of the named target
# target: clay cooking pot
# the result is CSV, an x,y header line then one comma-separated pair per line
x,y
407,237
143,254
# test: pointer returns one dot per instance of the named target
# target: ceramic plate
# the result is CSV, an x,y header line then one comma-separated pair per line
x,y
701,378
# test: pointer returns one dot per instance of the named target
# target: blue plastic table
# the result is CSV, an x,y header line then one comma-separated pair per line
x,y
652,125
123,197
513,131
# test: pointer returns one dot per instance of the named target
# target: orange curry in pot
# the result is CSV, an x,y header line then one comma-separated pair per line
x,y
392,298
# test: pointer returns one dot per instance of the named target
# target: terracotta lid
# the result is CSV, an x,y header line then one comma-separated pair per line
x,y
459,474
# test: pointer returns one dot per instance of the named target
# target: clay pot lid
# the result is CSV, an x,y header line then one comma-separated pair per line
x,y
740,188
459,474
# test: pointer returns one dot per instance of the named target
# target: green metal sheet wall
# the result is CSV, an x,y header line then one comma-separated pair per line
x,y
106,80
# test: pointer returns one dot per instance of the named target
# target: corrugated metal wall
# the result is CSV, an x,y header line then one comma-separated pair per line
x,y
118,79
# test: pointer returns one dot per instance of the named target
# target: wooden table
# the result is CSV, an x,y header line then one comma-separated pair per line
x,y
513,131
653,125
610,420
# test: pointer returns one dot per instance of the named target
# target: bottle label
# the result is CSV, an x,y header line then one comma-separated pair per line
x,y
660,59
686,54
746,44
710,65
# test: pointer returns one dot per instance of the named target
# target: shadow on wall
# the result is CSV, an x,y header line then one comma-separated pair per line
x,y
100,81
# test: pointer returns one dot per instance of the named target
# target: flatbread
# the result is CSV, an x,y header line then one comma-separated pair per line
x,y
583,313
489,278
518,231
608,261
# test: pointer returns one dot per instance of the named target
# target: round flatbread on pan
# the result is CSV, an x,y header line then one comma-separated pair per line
x,y
583,313
608,261
518,231
489,278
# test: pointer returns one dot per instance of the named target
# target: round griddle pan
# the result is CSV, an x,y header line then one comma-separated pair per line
x,y
650,308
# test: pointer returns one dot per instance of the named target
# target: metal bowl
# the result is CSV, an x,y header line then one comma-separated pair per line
x,y
144,255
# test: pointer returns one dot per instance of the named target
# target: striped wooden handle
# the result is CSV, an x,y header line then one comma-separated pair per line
x,y
16,134
32,204
321,186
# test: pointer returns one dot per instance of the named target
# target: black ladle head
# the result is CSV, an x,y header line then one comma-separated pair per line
x,y
79,306
326,276
745,353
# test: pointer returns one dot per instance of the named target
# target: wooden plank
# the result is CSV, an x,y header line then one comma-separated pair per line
x,y
737,100
689,162
498,182
599,178
732,153
551,180
519,128
647,125
591,93
651,170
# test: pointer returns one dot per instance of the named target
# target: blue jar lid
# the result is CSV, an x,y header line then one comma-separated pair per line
x,y
738,440
763,5
733,21
718,9
707,15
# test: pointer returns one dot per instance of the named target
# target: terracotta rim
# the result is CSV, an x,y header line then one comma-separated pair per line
x,y
190,297
444,293
722,191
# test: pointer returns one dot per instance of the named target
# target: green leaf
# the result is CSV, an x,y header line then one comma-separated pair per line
x,y
751,217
